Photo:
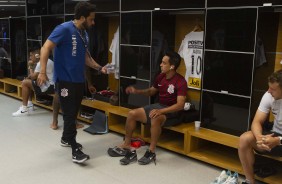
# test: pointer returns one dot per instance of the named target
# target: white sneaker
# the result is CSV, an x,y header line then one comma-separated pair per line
x,y
233,179
21,112
222,177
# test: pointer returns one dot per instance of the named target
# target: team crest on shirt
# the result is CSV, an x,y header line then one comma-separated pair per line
x,y
64,92
170,89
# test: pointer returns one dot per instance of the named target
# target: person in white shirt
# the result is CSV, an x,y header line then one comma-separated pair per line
x,y
260,139
29,83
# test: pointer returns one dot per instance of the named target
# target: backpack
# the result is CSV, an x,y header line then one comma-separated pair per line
x,y
99,124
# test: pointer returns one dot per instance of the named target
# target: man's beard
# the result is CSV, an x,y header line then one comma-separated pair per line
x,y
85,26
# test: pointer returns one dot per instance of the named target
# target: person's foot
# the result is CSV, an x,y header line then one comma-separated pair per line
x,y
79,125
67,144
30,106
147,158
130,157
21,112
79,157
54,126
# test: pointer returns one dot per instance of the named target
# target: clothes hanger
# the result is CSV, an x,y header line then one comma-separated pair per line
x,y
197,28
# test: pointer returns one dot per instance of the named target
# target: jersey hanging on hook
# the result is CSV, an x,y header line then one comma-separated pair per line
x,y
191,50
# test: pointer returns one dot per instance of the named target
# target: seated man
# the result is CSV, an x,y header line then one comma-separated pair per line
x,y
172,89
259,139
28,84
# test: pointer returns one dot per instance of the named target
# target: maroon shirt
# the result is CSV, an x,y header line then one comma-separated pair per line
x,y
169,89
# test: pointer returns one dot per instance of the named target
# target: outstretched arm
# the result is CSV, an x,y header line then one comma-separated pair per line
x,y
89,61
146,92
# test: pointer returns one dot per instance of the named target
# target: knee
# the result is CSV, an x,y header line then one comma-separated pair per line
x,y
132,114
26,83
246,140
158,121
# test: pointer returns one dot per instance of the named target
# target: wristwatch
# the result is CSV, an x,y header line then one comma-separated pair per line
x,y
280,137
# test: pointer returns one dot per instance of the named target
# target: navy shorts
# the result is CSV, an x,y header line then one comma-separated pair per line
x,y
37,90
171,118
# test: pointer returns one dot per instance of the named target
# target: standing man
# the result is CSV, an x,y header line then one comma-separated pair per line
x,y
260,139
69,41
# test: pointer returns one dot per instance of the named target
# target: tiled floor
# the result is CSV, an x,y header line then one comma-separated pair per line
x,y
31,154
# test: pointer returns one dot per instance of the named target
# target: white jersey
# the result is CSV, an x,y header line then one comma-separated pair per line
x,y
114,49
49,70
191,50
268,103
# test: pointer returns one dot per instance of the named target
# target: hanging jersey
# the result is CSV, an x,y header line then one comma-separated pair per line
x,y
114,49
191,50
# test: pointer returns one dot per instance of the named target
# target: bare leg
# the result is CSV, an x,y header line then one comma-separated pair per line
x,y
246,154
133,116
156,130
26,88
79,125
56,109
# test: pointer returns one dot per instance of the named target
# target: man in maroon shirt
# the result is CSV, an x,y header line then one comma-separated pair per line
x,y
171,88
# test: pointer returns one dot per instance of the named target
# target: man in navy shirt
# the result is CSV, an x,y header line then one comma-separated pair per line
x,y
69,41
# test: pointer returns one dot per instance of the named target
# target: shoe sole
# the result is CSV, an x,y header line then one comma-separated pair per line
x,y
123,163
19,115
80,161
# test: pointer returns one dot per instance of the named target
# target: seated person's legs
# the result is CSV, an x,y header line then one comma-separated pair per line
x,y
133,116
26,92
247,144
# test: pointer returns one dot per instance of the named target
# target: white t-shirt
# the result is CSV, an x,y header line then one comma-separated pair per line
x,y
268,103
49,70
191,50
114,49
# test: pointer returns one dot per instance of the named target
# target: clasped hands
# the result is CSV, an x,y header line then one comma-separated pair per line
x,y
266,142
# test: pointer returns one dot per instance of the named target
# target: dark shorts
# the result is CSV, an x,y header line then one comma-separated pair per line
x,y
171,118
276,151
37,90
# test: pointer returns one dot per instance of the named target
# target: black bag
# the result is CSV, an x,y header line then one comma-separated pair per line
x,y
99,124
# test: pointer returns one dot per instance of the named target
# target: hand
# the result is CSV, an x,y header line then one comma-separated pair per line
x,y
130,90
155,113
267,142
30,62
104,70
92,89
41,79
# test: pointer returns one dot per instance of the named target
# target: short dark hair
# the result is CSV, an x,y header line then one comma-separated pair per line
x,y
84,9
174,58
276,77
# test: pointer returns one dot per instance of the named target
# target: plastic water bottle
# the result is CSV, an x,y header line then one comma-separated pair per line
x,y
110,68
44,87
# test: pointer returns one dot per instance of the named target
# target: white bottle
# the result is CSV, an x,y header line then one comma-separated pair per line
x,y
44,87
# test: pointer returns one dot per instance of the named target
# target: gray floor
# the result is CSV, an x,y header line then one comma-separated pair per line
x,y
31,154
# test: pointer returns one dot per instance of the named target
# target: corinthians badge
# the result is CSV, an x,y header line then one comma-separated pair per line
x,y
64,92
